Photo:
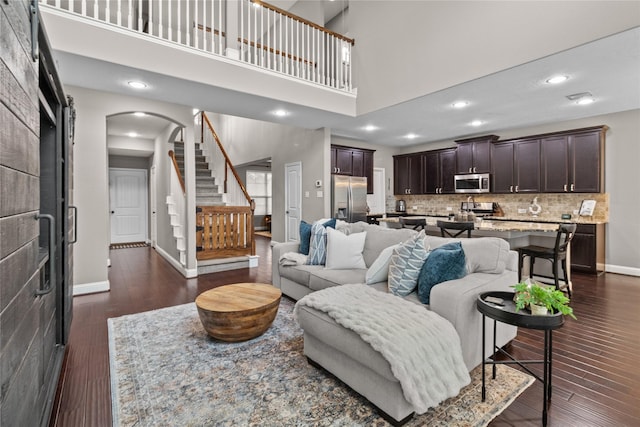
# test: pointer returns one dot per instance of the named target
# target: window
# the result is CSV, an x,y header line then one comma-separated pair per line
x,y
259,188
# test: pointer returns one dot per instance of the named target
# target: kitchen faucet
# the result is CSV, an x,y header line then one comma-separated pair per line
x,y
470,203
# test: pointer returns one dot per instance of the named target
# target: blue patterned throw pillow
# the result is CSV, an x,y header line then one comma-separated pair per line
x,y
318,245
444,263
404,268
305,234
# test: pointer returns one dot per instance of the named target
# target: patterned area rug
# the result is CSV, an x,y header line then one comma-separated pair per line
x,y
165,370
128,245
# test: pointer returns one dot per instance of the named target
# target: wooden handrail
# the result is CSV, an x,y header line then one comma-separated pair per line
x,y
275,51
208,30
304,21
175,165
227,160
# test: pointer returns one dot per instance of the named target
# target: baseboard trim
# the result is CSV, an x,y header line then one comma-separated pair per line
x,y
189,273
91,288
621,269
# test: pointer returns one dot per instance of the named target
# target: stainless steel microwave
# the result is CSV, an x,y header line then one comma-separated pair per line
x,y
472,183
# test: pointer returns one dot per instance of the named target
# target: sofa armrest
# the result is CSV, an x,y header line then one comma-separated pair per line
x,y
276,252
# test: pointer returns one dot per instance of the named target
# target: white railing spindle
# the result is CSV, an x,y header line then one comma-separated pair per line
x,y
269,38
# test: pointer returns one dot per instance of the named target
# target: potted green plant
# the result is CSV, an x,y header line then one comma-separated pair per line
x,y
534,295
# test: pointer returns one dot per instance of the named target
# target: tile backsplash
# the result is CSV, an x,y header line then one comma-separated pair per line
x,y
553,205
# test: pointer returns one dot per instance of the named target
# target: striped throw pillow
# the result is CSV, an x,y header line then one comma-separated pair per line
x,y
405,265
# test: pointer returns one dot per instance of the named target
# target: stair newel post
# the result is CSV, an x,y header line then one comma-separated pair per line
x,y
252,204
226,168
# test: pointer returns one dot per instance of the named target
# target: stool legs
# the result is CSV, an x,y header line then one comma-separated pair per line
x,y
566,276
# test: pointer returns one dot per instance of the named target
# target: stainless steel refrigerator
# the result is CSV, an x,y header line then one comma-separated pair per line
x,y
349,198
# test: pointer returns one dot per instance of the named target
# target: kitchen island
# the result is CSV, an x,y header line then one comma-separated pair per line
x,y
588,249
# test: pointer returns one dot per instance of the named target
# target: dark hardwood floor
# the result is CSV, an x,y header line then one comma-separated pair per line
x,y
596,358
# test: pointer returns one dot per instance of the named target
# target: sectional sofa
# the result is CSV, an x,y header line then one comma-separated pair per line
x,y
490,266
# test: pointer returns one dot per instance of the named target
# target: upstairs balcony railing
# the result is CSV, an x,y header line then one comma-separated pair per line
x,y
253,32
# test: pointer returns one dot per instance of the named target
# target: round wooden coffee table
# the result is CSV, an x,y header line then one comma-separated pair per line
x,y
238,312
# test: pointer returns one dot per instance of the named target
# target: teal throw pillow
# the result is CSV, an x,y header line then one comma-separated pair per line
x,y
305,234
305,237
444,263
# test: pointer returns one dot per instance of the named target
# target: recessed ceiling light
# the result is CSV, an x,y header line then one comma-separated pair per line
x,y
460,104
585,100
280,113
557,79
139,114
137,85
411,136
476,123
370,128
132,134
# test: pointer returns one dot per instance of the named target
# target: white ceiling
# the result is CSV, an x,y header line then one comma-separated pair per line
x,y
608,68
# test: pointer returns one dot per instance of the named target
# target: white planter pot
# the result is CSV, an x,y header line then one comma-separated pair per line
x,y
538,310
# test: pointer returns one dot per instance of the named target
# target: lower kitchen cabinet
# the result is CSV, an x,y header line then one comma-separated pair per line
x,y
587,249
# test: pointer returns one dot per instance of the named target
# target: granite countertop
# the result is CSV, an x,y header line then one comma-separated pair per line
x,y
516,218
491,225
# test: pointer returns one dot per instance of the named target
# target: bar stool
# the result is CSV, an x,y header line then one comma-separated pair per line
x,y
556,254
459,227
415,223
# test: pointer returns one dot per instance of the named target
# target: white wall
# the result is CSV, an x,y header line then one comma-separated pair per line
x,y
406,49
247,140
91,192
134,146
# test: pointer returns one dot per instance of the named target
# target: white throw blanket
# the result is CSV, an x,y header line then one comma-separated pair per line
x,y
292,258
422,347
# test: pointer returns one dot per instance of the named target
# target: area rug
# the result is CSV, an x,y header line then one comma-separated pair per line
x,y
165,370
128,245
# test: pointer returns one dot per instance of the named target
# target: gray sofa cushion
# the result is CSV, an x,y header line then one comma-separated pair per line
x,y
484,254
379,238
299,273
324,278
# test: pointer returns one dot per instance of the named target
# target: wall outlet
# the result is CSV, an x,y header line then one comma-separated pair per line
x,y
415,208
522,211
306,194
449,208
319,193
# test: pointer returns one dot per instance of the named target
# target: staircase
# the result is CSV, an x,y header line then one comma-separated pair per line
x,y
207,191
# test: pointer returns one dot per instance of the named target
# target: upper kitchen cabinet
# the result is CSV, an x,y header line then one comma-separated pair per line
x,y
516,166
407,174
353,162
439,171
573,161
473,155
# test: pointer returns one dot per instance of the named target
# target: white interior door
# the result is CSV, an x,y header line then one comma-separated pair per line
x,y
128,201
376,201
292,200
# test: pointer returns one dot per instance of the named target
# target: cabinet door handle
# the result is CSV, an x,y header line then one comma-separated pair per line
x,y
75,224
517,189
565,187
470,170
573,187
511,189
474,169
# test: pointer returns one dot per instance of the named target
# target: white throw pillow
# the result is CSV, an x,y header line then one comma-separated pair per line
x,y
405,265
379,270
344,252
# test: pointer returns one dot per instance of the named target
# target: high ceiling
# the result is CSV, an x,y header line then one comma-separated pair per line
x,y
608,68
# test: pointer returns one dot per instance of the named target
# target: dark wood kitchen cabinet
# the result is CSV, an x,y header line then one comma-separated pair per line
x,y
407,174
439,171
587,248
473,155
352,161
515,166
573,161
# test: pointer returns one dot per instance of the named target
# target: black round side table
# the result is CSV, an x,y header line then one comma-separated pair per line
x,y
506,313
